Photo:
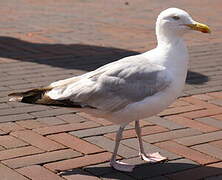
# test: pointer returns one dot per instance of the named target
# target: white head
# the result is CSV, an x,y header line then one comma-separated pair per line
x,y
174,22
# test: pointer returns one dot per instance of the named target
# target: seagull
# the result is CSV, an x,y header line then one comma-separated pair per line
x,y
131,88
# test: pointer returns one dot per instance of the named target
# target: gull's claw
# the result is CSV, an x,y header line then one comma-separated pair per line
x,y
153,157
121,166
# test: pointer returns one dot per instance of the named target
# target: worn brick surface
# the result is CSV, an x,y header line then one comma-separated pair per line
x,y
170,135
37,172
75,143
40,158
198,139
44,41
187,152
7,173
37,140
11,142
79,162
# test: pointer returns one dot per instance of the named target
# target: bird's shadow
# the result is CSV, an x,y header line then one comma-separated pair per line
x,y
71,56
146,171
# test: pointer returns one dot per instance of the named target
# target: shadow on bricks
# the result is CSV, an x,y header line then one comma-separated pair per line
x,y
171,170
71,56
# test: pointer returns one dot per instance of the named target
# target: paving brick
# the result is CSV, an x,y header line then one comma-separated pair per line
x,y
199,102
203,97
209,149
97,131
75,143
131,132
217,144
41,158
198,173
18,152
217,102
10,118
36,172
53,112
170,135
31,124
199,139
178,110
78,174
108,145
20,110
215,94
187,152
211,121
79,162
202,113
72,118
11,142
51,121
164,123
149,148
218,117
10,126
192,123
101,121
179,103
9,174
66,128
37,140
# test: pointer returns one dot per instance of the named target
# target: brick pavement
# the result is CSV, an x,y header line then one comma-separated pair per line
x,y
43,41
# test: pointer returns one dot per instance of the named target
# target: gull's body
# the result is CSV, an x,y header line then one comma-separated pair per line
x,y
132,88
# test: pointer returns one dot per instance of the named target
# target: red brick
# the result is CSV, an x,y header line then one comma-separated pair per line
x,y
218,117
191,123
202,113
131,132
17,152
199,102
101,121
198,173
217,144
36,172
179,103
216,94
80,177
41,158
11,142
203,97
186,152
178,110
9,174
37,140
65,128
79,162
10,126
75,143
31,124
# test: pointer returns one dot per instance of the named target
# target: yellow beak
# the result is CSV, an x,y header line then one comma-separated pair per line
x,y
199,27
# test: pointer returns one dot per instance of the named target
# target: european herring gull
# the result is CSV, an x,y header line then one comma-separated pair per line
x,y
131,88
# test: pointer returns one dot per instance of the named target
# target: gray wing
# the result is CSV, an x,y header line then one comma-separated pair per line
x,y
118,85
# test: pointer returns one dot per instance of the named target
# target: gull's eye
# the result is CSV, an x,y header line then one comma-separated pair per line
x,y
176,17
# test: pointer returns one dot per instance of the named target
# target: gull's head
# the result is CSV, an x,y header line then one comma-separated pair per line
x,y
176,22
